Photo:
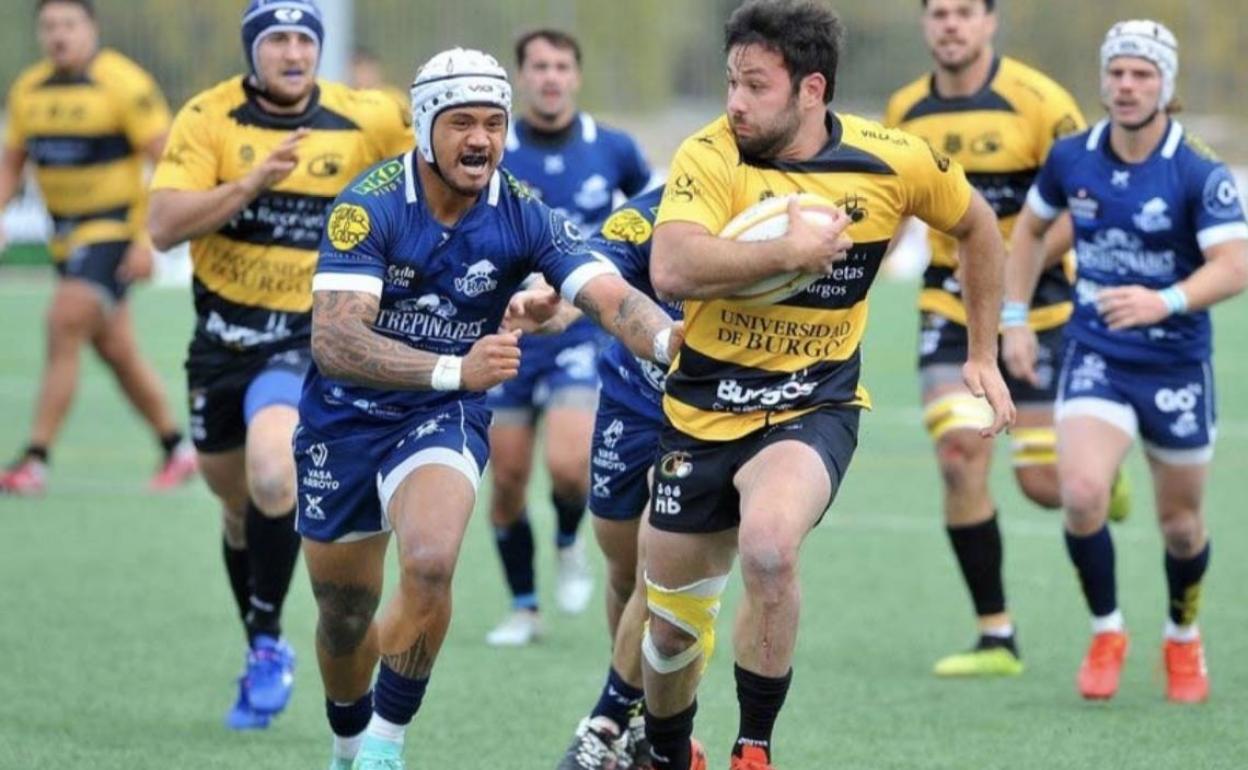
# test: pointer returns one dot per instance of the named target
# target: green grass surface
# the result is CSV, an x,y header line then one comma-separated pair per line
x,y
119,643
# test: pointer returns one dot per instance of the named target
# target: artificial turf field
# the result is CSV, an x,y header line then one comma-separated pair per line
x,y
119,642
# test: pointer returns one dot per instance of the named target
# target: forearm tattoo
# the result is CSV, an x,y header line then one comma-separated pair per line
x,y
346,348
635,322
416,662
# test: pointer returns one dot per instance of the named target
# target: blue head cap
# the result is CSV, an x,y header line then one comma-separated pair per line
x,y
264,17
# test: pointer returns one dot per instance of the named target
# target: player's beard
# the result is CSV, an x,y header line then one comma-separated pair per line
x,y
780,135
961,65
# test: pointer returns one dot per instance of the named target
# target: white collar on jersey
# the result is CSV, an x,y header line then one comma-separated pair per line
x,y
589,132
409,181
1174,137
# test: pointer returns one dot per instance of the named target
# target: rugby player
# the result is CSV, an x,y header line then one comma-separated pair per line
x,y
576,166
252,166
1161,237
762,403
87,119
996,117
420,258
625,446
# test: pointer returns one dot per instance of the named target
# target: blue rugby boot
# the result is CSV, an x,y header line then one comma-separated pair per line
x,y
241,715
270,675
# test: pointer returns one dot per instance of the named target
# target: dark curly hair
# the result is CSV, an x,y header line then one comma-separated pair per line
x,y
807,34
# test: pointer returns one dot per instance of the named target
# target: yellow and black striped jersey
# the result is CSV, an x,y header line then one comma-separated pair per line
x,y
743,367
1001,136
253,277
85,135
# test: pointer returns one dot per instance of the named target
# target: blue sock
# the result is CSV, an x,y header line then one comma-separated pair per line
x,y
1093,557
1183,577
569,513
618,700
515,548
351,719
396,698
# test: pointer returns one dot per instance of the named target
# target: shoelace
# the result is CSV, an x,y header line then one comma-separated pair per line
x,y
1184,660
592,749
1105,651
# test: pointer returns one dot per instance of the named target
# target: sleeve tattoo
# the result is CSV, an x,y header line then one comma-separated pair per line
x,y
346,348
635,319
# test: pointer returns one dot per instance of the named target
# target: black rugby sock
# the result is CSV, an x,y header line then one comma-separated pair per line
x,y
170,442
36,452
238,568
669,739
760,699
1093,557
515,549
569,512
1183,578
273,549
979,551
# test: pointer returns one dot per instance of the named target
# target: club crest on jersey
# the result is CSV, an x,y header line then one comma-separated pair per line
x,y
1083,205
348,226
611,436
627,226
1221,197
1152,217
478,279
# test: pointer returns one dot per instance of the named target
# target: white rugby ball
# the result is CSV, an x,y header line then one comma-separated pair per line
x,y
766,221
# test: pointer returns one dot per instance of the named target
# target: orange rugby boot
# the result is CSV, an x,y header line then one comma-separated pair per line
x,y
1102,666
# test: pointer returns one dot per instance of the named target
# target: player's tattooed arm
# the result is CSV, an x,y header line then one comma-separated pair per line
x,y
345,346
630,316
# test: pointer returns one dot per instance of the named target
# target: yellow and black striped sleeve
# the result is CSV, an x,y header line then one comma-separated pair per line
x,y
145,114
936,188
192,155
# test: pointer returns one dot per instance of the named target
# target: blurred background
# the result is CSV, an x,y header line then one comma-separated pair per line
x,y
655,67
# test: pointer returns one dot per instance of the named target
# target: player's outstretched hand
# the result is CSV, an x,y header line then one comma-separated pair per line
x,y
531,309
279,165
136,263
493,359
985,381
1018,348
1123,307
817,246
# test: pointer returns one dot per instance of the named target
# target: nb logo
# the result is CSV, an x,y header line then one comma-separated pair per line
x,y
667,501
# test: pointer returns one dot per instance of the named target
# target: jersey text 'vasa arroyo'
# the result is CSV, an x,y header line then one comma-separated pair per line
x,y
743,367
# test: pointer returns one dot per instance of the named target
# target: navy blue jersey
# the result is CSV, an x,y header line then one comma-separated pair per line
x,y
577,171
625,239
1143,224
441,288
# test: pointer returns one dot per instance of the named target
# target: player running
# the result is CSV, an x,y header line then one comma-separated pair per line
x,y
1161,236
87,119
252,167
625,446
576,166
762,403
420,258
997,118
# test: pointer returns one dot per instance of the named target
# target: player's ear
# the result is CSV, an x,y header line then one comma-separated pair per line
x,y
811,90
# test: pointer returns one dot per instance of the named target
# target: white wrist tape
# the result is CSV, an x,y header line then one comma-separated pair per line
x,y
1175,299
446,373
661,341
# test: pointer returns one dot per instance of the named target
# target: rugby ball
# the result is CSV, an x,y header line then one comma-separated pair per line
x,y
768,220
